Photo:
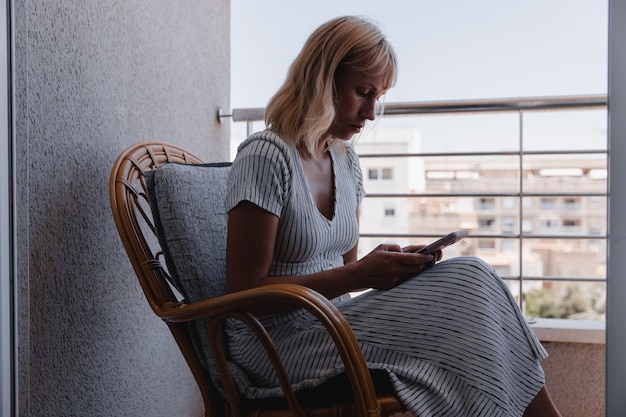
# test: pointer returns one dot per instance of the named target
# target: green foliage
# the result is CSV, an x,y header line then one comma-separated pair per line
x,y
574,302
541,303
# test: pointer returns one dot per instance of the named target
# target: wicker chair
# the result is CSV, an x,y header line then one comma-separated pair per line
x,y
131,210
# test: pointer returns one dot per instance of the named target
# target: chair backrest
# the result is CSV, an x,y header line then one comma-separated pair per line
x,y
187,203
133,217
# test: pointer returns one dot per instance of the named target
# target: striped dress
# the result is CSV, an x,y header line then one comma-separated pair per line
x,y
452,338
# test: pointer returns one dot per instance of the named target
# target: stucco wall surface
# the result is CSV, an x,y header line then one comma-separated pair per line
x,y
90,79
575,377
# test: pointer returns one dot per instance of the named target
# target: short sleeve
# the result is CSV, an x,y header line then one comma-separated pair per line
x,y
355,168
259,174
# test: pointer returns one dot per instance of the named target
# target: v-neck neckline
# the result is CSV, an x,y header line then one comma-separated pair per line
x,y
308,188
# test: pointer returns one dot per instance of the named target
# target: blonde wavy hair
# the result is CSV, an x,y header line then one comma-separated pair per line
x,y
303,109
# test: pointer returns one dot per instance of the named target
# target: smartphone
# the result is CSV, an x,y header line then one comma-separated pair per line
x,y
447,240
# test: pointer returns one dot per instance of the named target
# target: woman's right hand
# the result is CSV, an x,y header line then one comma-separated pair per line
x,y
387,266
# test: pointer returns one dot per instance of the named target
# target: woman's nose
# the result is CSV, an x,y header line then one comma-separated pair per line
x,y
368,110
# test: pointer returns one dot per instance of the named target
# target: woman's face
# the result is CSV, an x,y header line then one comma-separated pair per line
x,y
357,94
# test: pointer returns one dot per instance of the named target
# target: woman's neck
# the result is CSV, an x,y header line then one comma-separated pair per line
x,y
319,152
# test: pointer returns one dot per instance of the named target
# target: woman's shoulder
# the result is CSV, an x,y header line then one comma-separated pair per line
x,y
266,143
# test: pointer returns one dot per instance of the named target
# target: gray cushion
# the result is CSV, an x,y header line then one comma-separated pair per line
x,y
187,203
188,208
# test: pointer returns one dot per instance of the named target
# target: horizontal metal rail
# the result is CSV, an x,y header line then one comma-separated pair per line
x,y
456,106
550,278
516,236
487,194
496,105
486,153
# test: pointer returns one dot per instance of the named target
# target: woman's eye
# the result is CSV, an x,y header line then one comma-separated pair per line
x,y
363,93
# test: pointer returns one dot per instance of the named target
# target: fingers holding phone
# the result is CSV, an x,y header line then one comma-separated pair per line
x,y
437,255
436,247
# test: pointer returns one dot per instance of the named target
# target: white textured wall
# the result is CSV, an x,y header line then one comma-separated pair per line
x,y
92,77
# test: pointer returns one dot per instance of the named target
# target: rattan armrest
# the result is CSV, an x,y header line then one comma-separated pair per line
x,y
289,295
240,304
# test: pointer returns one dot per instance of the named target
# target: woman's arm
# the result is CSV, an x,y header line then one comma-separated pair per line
x,y
250,246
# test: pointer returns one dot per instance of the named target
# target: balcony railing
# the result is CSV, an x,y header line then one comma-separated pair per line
x,y
519,106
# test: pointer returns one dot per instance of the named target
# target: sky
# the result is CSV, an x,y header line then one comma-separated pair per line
x,y
447,49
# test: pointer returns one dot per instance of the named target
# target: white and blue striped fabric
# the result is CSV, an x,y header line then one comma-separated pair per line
x,y
452,338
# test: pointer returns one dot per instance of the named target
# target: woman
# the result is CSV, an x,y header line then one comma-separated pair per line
x,y
449,335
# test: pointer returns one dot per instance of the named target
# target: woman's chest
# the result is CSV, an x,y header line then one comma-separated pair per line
x,y
319,183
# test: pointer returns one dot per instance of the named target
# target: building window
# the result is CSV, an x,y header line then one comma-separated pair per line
x,y
548,203
387,173
571,203
571,225
486,224
549,225
527,226
509,202
380,173
595,202
595,229
508,225
390,212
486,203
528,202
508,245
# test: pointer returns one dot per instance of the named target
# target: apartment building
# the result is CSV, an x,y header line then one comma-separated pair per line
x,y
540,216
